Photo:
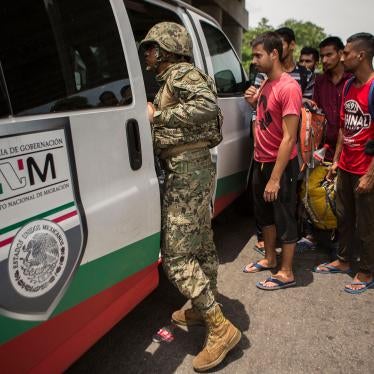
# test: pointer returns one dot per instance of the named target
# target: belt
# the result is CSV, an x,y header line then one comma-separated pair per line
x,y
177,149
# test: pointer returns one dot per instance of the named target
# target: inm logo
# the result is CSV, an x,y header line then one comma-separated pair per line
x,y
16,179
32,165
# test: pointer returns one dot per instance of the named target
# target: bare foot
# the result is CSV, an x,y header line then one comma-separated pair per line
x,y
282,275
343,266
260,244
360,277
250,268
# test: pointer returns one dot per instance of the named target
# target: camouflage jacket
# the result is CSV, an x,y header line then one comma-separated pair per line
x,y
186,108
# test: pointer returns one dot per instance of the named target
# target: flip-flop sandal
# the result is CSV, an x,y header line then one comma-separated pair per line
x,y
366,285
279,284
330,269
260,250
304,244
257,266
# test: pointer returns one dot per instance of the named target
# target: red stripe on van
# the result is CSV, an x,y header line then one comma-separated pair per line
x,y
55,344
65,216
5,242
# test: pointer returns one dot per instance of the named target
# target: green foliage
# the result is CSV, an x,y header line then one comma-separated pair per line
x,y
248,36
307,34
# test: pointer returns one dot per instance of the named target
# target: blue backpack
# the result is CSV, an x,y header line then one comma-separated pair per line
x,y
371,95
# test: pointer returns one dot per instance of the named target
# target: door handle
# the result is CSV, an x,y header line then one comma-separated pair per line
x,y
133,144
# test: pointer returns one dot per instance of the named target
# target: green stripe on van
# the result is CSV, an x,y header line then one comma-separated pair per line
x,y
38,216
94,277
232,183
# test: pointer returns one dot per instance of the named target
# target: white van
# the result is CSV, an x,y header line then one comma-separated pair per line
x,y
79,196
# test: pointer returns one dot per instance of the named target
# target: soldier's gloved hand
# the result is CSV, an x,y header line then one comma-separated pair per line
x,y
151,110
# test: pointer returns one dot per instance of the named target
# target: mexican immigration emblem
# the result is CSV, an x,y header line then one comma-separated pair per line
x,y
41,222
37,258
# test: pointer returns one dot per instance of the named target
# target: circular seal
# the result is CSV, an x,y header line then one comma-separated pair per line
x,y
37,258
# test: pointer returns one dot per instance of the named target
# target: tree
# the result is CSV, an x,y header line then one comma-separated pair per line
x,y
307,34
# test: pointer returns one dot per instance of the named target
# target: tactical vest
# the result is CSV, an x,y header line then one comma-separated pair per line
x,y
206,133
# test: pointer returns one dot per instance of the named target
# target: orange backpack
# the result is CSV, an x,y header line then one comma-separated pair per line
x,y
311,133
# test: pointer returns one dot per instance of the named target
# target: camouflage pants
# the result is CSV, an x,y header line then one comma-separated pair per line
x,y
189,254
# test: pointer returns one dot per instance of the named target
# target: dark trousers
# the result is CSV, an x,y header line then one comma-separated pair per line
x,y
355,213
281,212
260,236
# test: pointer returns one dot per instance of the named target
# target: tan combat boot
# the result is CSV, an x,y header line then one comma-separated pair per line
x,y
188,317
222,337
191,316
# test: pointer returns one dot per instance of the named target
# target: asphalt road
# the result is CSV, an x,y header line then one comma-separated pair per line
x,y
315,327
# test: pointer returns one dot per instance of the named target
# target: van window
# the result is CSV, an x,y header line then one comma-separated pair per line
x,y
228,72
142,17
62,55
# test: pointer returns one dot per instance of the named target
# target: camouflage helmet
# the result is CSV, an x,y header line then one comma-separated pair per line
x,y
171,37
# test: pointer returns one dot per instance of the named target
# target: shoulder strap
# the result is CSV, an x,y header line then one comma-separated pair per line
x,y
347,86
303,77
371,100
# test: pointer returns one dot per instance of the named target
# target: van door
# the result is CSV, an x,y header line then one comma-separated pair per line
x,y
76,167
233,154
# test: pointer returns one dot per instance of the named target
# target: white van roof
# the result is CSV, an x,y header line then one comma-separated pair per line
x,y
185,5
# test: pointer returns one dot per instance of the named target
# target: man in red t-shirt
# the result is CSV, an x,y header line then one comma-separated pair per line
x,y
276,165
355,183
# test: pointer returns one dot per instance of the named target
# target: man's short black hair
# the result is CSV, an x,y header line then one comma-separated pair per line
x,y
310,51
286,34
333,41
270,40
365,41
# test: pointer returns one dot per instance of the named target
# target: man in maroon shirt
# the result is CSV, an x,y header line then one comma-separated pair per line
x,y
355,183
327,94
328,88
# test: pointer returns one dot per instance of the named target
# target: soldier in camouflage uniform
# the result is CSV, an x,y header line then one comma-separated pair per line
x,y
186,122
